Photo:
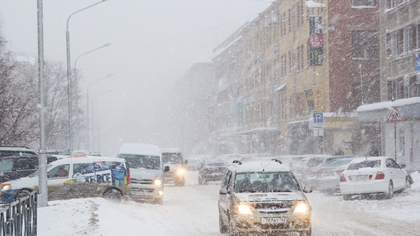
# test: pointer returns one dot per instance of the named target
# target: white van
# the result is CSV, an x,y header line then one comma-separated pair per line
x,y
146,169
172,157
75,178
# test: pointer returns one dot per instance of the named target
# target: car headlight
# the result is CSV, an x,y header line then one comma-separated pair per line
x,y
157,182
244,209
180,171
301,208
6,187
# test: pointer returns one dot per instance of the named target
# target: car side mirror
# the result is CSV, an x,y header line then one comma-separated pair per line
x,y
307,189
186,162
167,168
403,166
223,191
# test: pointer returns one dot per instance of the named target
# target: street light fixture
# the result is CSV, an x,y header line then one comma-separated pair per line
x,y
76,82
87,109
69,71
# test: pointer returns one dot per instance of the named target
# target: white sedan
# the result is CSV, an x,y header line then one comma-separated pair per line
x,y
373,175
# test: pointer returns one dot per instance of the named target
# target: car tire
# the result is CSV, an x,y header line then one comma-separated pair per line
x,y
22,193
307,232
347,197
113,195
222,226
390,193
407,182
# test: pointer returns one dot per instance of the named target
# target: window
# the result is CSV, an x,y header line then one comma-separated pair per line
x,y
60,171
394,44
302,61
406,40
363,3
364,44
391,4
290,62
418,35
290,20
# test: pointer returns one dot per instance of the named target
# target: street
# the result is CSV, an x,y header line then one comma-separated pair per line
x,y
192,210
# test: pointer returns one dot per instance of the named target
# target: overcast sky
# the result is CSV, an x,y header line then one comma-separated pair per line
x,y
153,42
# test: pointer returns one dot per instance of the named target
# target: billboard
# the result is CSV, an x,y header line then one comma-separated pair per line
x,y
315,41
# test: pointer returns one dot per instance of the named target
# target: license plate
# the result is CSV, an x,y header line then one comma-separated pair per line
x,y
360,177
273,220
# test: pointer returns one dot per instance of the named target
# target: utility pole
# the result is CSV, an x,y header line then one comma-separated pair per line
x,y
42,180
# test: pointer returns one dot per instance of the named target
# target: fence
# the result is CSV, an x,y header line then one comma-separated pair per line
x,y
19,218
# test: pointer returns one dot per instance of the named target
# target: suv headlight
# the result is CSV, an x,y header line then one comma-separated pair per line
x,y
244,209
301,208
180,171
6,187
157,182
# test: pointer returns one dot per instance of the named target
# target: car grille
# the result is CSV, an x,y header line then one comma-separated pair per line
x,y
141,181
279,207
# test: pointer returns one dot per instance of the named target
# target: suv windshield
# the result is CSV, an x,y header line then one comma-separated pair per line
x,y
364,164
265,182
142,161
173,158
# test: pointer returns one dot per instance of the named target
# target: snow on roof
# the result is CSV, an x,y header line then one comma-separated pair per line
x,y
258,129
388,104
140,148
219,51
89,159
280,87
339,114
260,166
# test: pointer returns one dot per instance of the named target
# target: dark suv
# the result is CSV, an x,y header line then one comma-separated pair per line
x,y
15,167
211,171
263,197
6,151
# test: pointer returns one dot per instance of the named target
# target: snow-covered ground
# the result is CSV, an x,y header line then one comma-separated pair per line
x,y
192,210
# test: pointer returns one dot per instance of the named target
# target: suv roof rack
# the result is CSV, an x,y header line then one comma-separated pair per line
x,y
237,162
15,147
277,160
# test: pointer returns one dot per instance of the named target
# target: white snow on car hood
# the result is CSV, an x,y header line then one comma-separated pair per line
x,y
145,173
245,197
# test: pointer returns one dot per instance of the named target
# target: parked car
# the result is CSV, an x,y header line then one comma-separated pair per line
x,y
311,170
75,178
15,167
374,175
172,157
328,175
211,171
263,197
147,171
6,151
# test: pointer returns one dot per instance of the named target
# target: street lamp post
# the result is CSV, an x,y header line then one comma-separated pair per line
x,y
69,72
87,109
76,97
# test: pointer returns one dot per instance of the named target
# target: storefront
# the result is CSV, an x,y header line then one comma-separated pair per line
x,y
399,139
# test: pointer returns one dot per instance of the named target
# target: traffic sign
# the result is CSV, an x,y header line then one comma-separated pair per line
x,y
395,115
319,117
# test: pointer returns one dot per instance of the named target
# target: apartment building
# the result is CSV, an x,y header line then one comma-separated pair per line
x,y
302,58
400,83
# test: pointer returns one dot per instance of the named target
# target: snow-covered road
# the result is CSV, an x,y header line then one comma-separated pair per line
x,y
192,210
